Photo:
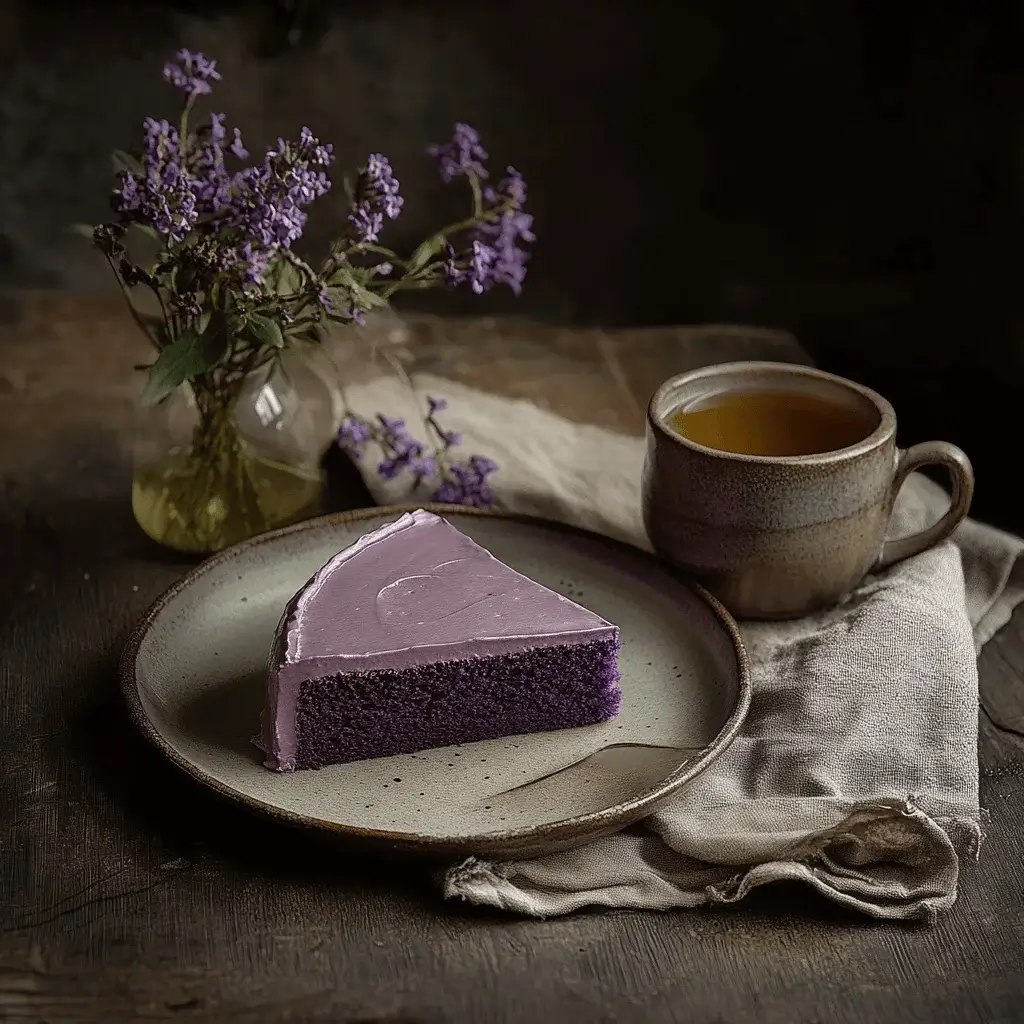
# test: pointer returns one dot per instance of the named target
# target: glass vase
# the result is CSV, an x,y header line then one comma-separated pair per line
x,y
213,469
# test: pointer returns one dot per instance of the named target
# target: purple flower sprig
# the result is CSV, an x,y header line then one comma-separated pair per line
x,y
376,196
192,73
462,156
494,254
233,292
485,250
453,482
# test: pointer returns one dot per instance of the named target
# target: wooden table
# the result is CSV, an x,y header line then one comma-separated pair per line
x,y
127,892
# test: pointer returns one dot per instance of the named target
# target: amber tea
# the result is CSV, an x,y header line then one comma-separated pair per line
x,y
773,485
772,423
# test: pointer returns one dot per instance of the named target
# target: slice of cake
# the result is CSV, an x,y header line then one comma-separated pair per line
x,y
417,637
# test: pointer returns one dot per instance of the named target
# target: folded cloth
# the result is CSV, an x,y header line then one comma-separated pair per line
x,y
856,770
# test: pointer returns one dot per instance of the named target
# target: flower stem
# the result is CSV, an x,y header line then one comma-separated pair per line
x,y
183,127
140,323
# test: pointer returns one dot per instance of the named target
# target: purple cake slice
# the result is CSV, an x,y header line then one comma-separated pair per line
x,y
416,637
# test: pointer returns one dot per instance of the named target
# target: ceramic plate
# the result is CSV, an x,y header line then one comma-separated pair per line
x,y
193,676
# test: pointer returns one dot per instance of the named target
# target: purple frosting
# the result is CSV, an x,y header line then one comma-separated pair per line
x,y
413,592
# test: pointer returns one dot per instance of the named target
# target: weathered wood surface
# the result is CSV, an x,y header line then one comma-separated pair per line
x,y
129,893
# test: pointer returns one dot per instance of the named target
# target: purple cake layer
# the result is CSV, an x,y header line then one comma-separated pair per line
x,y
386,712
416,594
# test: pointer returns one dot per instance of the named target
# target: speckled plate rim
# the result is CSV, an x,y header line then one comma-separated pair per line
x,y
559,834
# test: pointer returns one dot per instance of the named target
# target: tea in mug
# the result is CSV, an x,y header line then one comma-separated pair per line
x,y
772,423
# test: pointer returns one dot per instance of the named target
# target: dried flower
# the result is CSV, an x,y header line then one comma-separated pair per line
x,y
246,262
495,255
268,200
504,235
227,229
475,268
466,483
107,238
354,435
377,197
192,73
161,196
463,155
187,305
457,483
400,447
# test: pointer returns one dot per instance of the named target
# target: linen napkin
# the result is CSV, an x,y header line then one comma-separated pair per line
x,y
856,771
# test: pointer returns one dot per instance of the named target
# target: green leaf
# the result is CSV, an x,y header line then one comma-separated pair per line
x,y
145,229
303,332
186,357
287,278
420,285
342,277
204,321
85,230
341,300
425,252
307,275
264,330
125,162
366,299
143,244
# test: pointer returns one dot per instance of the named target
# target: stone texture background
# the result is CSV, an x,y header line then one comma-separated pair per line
x,y
851,171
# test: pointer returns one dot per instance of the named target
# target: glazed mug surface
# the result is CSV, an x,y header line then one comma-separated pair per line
x,y
779,536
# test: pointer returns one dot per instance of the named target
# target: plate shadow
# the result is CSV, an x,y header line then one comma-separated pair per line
x,y
228,715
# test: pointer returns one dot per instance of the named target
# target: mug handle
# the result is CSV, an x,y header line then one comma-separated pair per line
x,y
961,474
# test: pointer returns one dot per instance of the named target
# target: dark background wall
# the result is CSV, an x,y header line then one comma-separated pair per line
x,y
851,170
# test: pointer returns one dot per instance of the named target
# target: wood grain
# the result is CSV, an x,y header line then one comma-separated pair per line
x,y
128,893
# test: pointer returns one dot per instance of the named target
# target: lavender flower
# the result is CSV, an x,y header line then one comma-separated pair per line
x,y
402,451
377,197
495,255
268,200
460,483
246,262
312,151
211,183
448,438
463,155
475,267
452,271
192,73
511,191
225,230
218,133
162,195
508,260
512,227
354,435
159,148
423,467
236,147
466,483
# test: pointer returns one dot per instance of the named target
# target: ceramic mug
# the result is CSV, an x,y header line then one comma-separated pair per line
x,y
776,537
